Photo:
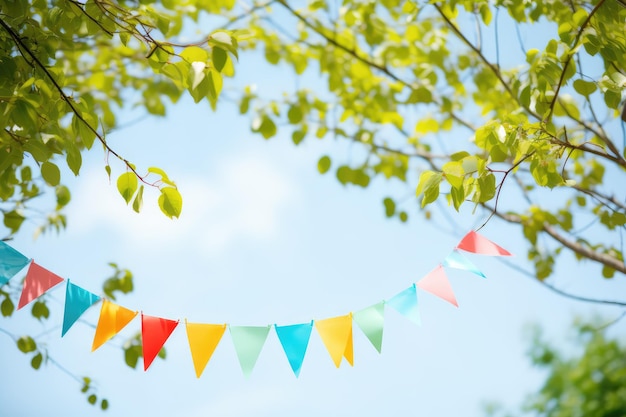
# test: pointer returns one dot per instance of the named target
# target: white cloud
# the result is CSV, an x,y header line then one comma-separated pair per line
x,y
242,198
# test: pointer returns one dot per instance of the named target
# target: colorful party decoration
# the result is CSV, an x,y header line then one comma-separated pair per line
x,y
475,243
295,340
113,318
405,303
456,260
248,341
38,280
336,333
77,301
203,339
11,262
436,283
371,321
154,333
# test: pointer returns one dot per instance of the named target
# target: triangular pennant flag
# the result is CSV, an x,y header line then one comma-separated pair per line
x,y
371,320
405,303
38,280
11,262
154,333
336,333
203,339
436,282
113,318
77,301
248,341
475,243
295,339
456,260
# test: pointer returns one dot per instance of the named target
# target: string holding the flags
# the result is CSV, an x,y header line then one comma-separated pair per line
x,y
336,333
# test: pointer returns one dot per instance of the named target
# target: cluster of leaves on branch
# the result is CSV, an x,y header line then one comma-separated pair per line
x,y
454,91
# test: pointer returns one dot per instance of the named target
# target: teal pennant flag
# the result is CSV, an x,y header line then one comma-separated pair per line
x,y
248,341
371,320
77,301
295,340
405,303
11,262
458,261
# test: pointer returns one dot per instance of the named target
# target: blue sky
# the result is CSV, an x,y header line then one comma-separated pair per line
x,y
263,239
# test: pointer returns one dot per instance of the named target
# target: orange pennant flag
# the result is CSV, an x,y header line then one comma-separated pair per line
x,y
113,318
475,243
203,339
436,283
336,333
154,333
38,280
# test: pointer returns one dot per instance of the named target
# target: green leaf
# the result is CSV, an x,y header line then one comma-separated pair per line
x,y
170,202
104,404
162,174
132,355
138,201
403,216
295,114
51,173
429,186
13,220
26,344
63,196
7,307
219,57
127,184
298,136
92,399
40,310
36,361
390,207
585,88
323,165
265,126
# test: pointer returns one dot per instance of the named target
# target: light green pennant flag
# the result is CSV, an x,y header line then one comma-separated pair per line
x,y
248,341
371,320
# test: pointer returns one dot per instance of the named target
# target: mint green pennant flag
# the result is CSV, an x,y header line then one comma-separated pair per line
x,y
11,262
371,320
248,341
295,340
77,301
405,303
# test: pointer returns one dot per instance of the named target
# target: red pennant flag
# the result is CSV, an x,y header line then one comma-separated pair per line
x,y
38,281
154,333
475,243
436,283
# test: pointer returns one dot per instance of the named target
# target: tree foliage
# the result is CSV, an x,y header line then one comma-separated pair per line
x,y
458,100
591,382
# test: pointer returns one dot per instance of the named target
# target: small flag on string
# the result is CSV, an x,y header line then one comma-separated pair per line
x,y
456,260
154,333
77,301
436,283
203,339
336,333
11,262
38,280
371,320
405,303
295,340
248,341
475,243
113,318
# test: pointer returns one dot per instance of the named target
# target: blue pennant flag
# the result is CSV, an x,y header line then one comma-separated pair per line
x,y
11,262
295,340
77,301
405,303
458,261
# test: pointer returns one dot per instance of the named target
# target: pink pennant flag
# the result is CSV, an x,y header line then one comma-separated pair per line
x,y
38,280
436,283
475,243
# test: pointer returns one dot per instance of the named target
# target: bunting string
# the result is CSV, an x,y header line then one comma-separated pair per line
x,y
336,333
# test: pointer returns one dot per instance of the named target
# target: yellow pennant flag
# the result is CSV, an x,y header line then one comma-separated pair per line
x,y
203,339
336,333
113,318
